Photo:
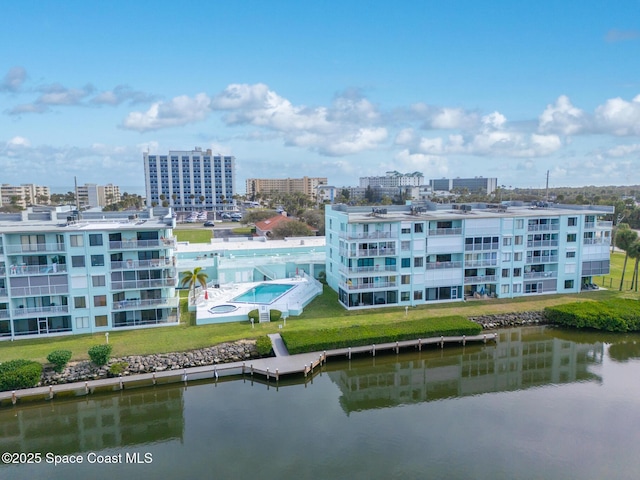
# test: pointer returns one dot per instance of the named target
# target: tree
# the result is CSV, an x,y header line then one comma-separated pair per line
x,y
624,239
256,215
294,228
634,252
314,218
191,279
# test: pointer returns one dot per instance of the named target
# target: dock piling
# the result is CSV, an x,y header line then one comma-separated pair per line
x,y
86,387
14,398
50,392
154,378
374,350
419,344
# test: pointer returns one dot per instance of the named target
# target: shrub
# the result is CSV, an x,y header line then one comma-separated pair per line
x,y
254,315
358,335
59,359
16,374
117,368
620,315
263,345
99,354
275,315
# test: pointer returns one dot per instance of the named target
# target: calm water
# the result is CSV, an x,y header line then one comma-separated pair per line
x,y
542,404
263,293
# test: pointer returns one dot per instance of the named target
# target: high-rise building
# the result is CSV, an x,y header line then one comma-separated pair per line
x,y
24,195
413,255
92,195
393,179
104,271
472,185
190,180
306,185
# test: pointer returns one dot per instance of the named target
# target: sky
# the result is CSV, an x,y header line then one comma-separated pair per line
x,y
336,89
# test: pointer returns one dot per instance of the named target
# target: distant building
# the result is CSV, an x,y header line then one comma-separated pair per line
x,y
326,193
265,227
472,185
187,181
306,185
24,195
393,179
93,195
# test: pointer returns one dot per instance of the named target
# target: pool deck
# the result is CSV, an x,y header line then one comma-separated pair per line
x,y
271,368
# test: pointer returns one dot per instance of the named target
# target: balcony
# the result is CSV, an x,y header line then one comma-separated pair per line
x,y
39,290
604,224
142,244
542,243
138,304
367,235
3,292
41,311
442,265
530,275
370,252
481,279
546,227
481,246
34,247
4,313
368,286
444,231
22,270
542,259
589,225
596,241
481,263
138,284
373,269
144,264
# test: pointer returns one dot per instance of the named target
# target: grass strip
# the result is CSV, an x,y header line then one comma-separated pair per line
x,y
359,335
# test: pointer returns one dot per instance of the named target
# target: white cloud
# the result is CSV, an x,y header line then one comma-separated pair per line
x,y
623,150
563,118
619,117
179,111
13,80
121,94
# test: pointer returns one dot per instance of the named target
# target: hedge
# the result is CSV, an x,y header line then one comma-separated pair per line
x,y
274,315
16,374
359,335
264,347
620,315
59,359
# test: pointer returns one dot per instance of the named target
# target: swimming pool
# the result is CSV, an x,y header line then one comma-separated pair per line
x,y
223,309
264,293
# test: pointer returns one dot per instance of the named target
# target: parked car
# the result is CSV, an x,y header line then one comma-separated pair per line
x,y
209,223
225,216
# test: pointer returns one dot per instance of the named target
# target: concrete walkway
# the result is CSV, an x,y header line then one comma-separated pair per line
x,y
279,348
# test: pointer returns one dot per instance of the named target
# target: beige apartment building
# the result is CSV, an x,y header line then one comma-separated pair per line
x,y
23,195
92,195
306,185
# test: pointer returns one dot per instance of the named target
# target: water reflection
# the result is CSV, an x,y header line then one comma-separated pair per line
x,y
523,358
96,423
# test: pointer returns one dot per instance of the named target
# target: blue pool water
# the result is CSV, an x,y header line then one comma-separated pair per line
x,y
264,293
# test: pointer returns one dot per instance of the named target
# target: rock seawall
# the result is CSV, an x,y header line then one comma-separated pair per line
x,y
218,354
505,320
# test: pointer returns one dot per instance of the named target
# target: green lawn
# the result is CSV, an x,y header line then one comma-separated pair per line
x,y
194,235
612,280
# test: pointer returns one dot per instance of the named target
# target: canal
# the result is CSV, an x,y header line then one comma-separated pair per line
x,y
541,404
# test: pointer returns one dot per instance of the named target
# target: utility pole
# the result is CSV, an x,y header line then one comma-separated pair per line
x,y
547,189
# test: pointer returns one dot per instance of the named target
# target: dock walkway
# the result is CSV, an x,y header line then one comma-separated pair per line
x,y
271,368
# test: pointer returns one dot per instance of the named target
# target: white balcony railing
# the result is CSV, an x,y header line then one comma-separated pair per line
x,y
529,275
596,241
369,286
481,263
542,243
34,247
372,269
141,244
136,284
444,231
137,264
367,235
442,265
135,304
47,311
546,227
543,259
480,279
40,290
21,270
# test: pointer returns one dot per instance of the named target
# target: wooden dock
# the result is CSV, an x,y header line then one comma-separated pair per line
x,y
271,368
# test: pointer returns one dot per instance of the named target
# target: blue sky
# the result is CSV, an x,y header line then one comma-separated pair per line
x,y
340,89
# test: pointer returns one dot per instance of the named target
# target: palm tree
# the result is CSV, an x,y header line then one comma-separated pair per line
x,y
624,239
634,252
191,279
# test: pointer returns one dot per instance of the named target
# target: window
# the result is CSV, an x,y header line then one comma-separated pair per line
x,y
95,239
504,289
506,257
506,241
418,227
98,280
571,254
76,240
568,284
517,240
517,287
517,257
405,263
418,262
571,237
99,300
517,272
77,260
97,260
405,279
505,273
572,221
101,321
405,246
405,230
82,322
417,295
520,223
80,302
404,296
